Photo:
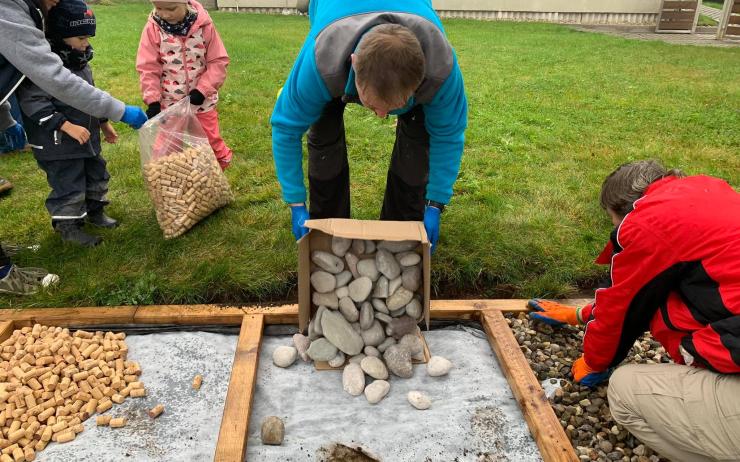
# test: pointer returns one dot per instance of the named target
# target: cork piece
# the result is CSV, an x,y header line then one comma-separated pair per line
x,y
52,380
197,381
186,187
118,422
156,411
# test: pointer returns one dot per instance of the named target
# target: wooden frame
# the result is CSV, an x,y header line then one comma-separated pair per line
x,y
729,23
678,16
544,425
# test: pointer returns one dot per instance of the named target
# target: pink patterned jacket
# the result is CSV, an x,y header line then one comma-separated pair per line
x,y
171,66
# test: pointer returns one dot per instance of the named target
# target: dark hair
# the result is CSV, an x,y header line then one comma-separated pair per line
x,y
628,183
390,62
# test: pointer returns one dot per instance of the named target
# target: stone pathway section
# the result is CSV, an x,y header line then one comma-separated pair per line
x,y
643,33
713,13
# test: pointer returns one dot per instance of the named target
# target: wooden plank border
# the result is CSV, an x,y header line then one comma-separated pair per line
x,y
234,432
194,315
544,425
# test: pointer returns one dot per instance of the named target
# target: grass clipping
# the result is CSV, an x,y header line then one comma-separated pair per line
x,y
186,187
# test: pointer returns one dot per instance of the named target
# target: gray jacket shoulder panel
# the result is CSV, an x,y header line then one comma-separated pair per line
x,y
24,47
336,42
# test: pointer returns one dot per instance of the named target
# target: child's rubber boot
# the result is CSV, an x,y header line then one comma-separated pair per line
x,y
101,220
72,232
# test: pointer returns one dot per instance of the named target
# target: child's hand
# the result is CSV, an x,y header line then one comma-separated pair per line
x,y
81,134
109,133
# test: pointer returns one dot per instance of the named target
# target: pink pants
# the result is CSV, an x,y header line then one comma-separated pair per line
x,y
209,122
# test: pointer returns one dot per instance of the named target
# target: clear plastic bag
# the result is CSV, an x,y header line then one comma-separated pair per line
x,y
181,173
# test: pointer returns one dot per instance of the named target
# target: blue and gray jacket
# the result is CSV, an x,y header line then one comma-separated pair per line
x,y
43,116
322,72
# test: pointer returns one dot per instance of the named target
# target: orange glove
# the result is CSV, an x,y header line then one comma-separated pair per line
x,y
585,375
554,314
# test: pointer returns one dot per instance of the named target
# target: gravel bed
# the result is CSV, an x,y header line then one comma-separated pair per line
x,y
583,412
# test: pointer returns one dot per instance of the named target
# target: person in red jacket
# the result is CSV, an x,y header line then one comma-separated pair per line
x,y
675,271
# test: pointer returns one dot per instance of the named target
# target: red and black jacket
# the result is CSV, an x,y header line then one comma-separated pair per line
x,y
675,270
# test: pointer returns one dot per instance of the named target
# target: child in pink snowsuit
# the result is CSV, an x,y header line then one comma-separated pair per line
x,y
181,54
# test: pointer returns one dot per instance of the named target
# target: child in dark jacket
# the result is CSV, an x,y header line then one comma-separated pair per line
x,y
66,141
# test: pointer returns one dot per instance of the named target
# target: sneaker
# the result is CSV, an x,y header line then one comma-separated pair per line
x,y
12,250
72,232
26,281
5,185
101,220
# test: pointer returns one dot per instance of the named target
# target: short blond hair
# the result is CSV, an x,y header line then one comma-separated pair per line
x,y
389,62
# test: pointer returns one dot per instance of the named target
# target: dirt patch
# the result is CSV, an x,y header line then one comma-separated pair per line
x,y
486,424
338,452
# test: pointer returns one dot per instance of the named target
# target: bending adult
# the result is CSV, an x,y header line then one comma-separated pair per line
x,y
393,58
674,271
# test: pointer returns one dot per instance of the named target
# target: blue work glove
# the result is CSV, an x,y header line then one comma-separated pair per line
x,y
16,136
134,117
298,216
584,375
431,224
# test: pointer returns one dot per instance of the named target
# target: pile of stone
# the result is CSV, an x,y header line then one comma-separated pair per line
x,y
369,302
583,412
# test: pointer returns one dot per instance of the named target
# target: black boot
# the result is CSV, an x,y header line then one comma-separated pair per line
x,y
72,232
101,220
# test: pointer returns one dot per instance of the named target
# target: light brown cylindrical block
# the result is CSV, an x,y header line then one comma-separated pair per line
x,y
90,407
46,414
46,435
118,422
29,454
65,437
104,406
16,435
156,411
33,383
197,381
118,399
97,393
44,360
138,393
59,426
6,458
18,455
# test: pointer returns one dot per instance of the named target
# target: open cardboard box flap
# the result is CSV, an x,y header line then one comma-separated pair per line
x,y
318,238
371,230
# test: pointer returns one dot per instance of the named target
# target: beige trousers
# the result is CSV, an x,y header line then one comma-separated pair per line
x,y
684,413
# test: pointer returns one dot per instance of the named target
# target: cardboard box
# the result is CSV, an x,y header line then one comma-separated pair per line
x,y
319,238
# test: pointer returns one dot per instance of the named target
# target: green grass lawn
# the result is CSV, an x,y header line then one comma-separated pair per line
x,y
552,112
706,21
718,5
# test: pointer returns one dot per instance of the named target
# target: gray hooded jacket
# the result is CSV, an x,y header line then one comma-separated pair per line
x,y
24,47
